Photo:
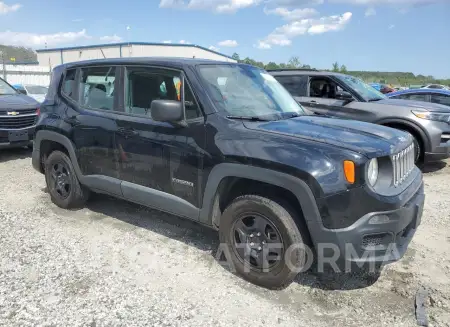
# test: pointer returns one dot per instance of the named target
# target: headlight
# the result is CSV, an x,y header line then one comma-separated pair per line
x,y
372,172
437,116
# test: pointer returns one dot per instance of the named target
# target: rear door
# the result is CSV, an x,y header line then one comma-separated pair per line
x,y
160,163
91,100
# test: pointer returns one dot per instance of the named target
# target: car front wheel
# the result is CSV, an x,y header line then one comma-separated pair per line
x,y
264,244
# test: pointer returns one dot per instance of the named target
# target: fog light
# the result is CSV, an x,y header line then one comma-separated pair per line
x,y
381,219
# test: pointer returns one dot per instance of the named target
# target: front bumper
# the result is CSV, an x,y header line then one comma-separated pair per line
x,y
440,152
6,143
379,237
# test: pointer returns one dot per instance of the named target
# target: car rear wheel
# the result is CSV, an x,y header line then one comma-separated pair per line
x,y
264,244
62,183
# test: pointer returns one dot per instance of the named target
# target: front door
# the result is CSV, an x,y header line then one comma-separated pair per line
x,y
160,163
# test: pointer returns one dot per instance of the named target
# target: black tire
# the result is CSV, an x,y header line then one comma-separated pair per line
x,y
283,220
417,148
75,194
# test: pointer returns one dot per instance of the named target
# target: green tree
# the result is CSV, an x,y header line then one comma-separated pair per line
x,y
294,62
236,57
271,65
343,69
335,67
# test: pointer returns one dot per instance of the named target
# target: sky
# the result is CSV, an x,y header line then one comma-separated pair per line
x,y
380,35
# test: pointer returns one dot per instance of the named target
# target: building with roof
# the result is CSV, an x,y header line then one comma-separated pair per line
x,y
57,56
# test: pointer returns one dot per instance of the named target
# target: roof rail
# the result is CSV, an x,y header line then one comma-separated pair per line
x,y
291,69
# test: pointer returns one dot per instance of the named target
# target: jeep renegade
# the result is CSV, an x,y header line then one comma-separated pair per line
x,y
224,144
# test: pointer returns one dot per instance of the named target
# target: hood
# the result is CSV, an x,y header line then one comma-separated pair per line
x,y
415,104
367,139
17,101
38,97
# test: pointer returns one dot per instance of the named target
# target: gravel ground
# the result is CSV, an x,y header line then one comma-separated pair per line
x,y
118,264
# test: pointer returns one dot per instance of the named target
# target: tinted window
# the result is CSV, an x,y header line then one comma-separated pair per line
x,y
417,97
441,99
68,86
97,87
145,85
296,85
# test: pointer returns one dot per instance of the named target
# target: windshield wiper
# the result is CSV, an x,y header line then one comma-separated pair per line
x,y
373,100
251,118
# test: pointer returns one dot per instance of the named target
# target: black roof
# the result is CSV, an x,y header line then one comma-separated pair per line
x,y
309,72
157,61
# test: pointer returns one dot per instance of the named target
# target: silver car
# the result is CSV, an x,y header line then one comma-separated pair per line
x,y
347,97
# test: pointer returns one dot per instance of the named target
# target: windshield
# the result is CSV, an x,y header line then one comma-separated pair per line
x,y
5,89
35,89
248,91
366,91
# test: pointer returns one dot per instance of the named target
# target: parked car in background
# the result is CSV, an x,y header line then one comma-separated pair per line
x,y
383,88
436,86
439,96
18,114
344,96
37,92
252,164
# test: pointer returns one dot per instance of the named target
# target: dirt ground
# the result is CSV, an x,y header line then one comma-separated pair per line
x,y
118,264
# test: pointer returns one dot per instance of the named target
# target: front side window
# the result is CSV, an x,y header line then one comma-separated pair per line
x,y
97,87
144,85
441,99
366,91
6,89
242,90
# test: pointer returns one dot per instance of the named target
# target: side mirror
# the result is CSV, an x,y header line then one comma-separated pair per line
x,y
169,111
343,95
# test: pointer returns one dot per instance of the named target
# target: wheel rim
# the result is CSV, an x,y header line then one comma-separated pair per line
x,y
60,180
257,242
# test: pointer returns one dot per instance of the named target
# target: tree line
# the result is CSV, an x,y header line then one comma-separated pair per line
x,y
395,78
16,54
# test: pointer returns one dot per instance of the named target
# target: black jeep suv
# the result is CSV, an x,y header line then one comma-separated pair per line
x,y
18,115
225,144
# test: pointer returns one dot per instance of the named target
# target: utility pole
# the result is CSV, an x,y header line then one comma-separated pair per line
x,y
3,65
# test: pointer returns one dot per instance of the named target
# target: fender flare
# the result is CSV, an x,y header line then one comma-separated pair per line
x,y
99,183
44,135
411,124
298,187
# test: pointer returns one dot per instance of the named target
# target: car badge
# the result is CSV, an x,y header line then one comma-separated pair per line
x,y
12,113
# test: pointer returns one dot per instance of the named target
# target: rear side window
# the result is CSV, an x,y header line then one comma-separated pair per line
x,y
97,87
68,87
417,97
441,99
295,85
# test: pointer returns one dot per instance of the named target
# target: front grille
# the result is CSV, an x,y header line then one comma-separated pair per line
x,y
4,112
16,122
403,164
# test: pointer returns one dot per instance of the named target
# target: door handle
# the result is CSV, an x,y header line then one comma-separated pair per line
x,y
313,101
73,121
127,132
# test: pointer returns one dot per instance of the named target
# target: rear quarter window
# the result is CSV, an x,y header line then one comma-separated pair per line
x,y
68,85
